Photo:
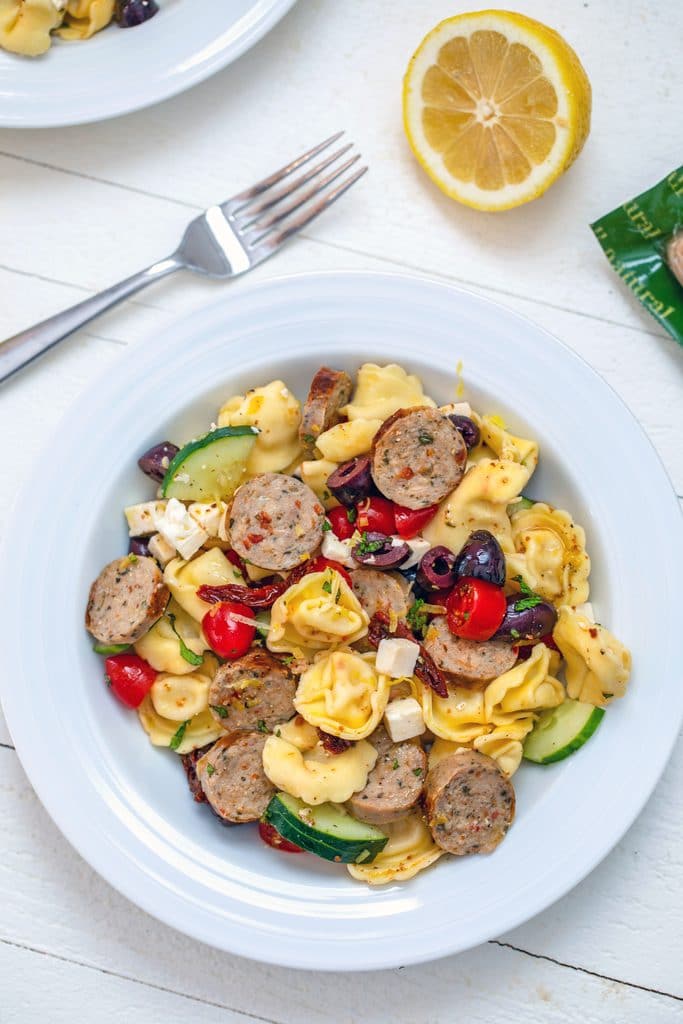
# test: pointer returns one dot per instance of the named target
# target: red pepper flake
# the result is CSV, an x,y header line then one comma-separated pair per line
x,y
264,520
593,632
406,473
253,538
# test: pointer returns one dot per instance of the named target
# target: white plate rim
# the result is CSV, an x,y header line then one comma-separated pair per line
x,y
63,117
300,954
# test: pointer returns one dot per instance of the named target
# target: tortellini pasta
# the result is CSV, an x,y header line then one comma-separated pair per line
x,y
346,440
524,689
598,665
295,760
276,413
410,849
343,694
211,568
504,744
383,390
479,503
25,25
179,698
550,553
319,611
506,445
160,646
199,731
460,717
315,473
84,18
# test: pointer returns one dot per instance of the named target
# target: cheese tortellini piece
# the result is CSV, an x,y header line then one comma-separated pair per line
x,y
550,553
342,694
25,25
410,849
383,390
346,440
506,445
199,731
276,413
319,611
160,646
524,689
598,665
179,698
460,717
315,472
295,760
211,568
479,503
83,18
504,744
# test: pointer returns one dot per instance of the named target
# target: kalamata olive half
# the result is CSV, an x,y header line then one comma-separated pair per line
x,y
437,569
482,557
380,551
139,546
129,13
528,623
471,434
352,481
155,462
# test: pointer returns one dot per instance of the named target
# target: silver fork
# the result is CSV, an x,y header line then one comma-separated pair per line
x,y
223,242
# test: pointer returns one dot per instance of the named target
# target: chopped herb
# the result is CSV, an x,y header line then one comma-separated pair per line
x,y
352,514
210,769
132,558
529,600
326,495
417,772
368,547
288,660
417,618
337,597
394,764
236,574
261,725
107,681
425,438
220,710
327,526
278,733
185,652
309,439
177,737
515,634
327,586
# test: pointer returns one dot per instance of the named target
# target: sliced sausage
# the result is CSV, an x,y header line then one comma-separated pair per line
x,y
381,591
330,389
474,663
126,600
276,521
232,777
394,785
469,803
418,457
189,763
254,692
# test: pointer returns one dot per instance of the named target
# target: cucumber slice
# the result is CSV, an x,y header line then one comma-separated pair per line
x,y
560,731
210,468
522,503
326,830
110,648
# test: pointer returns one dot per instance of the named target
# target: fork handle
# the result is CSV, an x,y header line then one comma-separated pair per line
x,y
23,348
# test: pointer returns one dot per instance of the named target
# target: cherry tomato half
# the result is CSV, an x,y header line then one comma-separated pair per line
x,y
270,835
375,515
320,563
129,677
475,608
228,636
410,521
342,527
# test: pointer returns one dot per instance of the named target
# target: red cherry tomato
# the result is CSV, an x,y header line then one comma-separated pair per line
x,y
320,563
270,835
475,608
228,636
341,525
375,515
129,678
410,521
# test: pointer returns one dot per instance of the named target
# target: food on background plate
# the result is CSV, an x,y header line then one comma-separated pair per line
x,y
26,25
496,106
362,678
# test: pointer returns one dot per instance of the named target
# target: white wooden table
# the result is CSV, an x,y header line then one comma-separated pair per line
x,y
82,207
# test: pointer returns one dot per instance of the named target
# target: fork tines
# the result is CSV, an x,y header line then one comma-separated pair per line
x,y
262,216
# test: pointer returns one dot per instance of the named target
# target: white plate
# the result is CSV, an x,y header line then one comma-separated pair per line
x,y
121,70
125,806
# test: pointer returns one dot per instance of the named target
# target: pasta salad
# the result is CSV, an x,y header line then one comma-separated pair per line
x,y
351,622
27,26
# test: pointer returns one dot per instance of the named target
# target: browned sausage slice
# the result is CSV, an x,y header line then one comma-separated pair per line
x,y
254,692
417,457
381,591
330,389
394,785
232,777
276,521
475,664
470,804
126,600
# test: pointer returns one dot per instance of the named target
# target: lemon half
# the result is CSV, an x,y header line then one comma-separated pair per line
x,y
496,107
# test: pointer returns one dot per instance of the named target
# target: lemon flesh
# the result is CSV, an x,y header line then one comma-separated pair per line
x,y
496,107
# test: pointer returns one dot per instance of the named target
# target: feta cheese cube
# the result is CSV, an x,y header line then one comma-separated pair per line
x,y
338,550
418,547
209,515
396,657
160,549
403,719
177,526
142,518
456,409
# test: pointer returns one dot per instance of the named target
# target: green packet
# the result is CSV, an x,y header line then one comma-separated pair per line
x,y
643,240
